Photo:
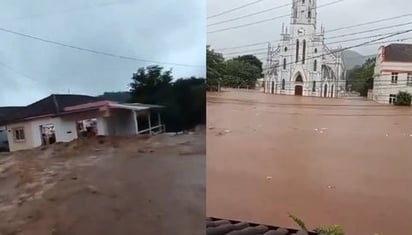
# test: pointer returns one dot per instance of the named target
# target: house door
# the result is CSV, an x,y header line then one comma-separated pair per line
x,y
325,91
298,90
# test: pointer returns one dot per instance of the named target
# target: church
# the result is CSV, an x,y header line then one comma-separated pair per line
x,y
301,64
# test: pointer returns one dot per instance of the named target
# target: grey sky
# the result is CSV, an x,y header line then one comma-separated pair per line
x,y
347,12
167,31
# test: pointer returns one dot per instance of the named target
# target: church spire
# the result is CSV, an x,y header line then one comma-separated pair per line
x,y
304,12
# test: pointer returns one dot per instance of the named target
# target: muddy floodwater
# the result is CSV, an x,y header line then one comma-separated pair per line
x,y
327,161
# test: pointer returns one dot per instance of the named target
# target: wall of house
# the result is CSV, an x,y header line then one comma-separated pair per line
x,y
383,86
27,143
65,130
123,123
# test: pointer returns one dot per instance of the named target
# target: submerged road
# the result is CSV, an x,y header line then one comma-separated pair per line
x,y
327,161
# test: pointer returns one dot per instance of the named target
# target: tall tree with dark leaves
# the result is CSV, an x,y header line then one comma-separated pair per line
x,y
215,68
360,79
184,99
253,60
150,83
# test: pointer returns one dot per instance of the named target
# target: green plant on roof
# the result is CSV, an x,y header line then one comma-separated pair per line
x,y
331,230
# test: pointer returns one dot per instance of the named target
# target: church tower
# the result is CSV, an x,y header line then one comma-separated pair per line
x,y
304,16
302,64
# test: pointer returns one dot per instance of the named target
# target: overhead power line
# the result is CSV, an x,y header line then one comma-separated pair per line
x,y
94,51
261,49
266,20
248,15
327,31
235,9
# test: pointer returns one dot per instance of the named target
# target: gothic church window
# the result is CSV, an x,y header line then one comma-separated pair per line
x,y
297,50
304,52
314,86
284,63
315,65
283,84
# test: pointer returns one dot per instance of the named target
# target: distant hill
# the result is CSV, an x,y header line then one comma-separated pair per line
x,y
353,58
121,96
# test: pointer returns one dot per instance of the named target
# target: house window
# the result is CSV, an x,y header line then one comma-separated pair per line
x,y
297,50
19,134
395,78
315,65
309,14
314,86
409,82
392,99
286,49
283,84
284,63
316,50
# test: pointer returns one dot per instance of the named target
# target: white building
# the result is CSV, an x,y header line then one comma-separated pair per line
x,y
58,118
393,72
301,64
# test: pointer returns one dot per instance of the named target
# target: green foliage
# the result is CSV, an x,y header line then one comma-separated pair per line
x,y
240,74
360,79
215,68
184,99
242,71
403,99
253,60
332,230
299,222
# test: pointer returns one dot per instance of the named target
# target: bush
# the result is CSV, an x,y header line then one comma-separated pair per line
x,y
403,99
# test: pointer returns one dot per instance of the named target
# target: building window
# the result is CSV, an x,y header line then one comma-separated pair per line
x,y
395,78
19,134
297,50
283,84
309,14
314,86
304,52
392,99
409,82
316,50
284,63
303,1
286,49
315,65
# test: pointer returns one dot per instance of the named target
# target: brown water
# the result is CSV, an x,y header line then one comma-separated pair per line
x,y
327,161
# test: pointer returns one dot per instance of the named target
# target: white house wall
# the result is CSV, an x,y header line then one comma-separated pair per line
x,y
123,123
383,86
65,130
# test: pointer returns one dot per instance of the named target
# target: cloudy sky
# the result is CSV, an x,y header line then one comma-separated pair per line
x,y
167,31
344,13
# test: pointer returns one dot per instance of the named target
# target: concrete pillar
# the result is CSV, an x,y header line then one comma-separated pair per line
x,y
150,122
136,123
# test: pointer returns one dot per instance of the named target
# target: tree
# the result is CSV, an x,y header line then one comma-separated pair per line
x,y
253,60
240,74
149,83
215,68
184,99
360,78
403,99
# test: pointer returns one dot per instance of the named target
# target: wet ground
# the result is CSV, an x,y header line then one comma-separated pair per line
x,y
327,161
106,186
